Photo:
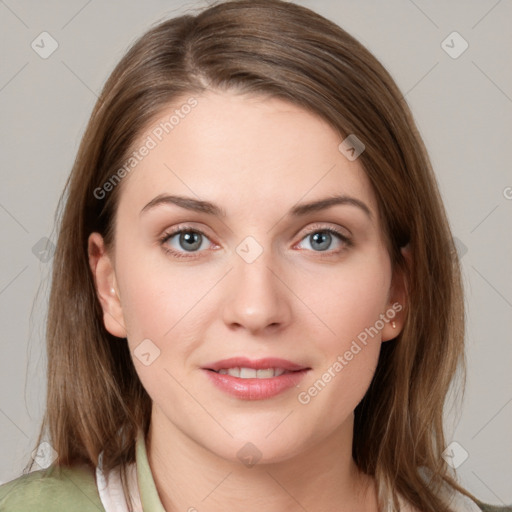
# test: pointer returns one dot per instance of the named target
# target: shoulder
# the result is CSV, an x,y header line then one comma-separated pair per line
x,y
55,489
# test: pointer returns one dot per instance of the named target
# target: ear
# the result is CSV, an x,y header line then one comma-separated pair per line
x,y
398,300
106,286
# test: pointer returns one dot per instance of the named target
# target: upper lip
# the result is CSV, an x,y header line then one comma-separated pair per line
x,y
257,364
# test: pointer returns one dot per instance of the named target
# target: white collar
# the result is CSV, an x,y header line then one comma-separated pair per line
x,y
111,490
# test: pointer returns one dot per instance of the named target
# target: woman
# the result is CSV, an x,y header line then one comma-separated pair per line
x,y
256,300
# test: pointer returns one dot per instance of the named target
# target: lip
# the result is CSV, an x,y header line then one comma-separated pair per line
x,y
257,364
255,389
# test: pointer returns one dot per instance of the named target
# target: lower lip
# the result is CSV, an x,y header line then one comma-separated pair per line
x,y
255,389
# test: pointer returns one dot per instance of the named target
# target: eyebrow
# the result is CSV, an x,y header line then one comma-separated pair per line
x,y
197,205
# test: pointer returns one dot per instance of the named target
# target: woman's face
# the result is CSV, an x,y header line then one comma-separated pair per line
x,y
255,274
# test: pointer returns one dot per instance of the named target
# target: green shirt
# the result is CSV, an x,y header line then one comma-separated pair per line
x,y
70,489
65,489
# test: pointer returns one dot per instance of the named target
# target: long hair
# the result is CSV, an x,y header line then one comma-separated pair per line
x,y
95,401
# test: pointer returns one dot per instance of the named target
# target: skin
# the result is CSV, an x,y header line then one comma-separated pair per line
x,y
256,158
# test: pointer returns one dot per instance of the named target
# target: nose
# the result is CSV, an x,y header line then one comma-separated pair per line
x,y
257,296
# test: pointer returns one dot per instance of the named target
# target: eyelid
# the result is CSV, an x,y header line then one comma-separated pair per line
x,y
183,227
321,226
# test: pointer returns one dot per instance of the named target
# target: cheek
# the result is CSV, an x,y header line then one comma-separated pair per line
x,y
155,304
357,297
162,309
350,298
156,294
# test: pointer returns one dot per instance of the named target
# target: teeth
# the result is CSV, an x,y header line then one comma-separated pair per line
x,y
251,373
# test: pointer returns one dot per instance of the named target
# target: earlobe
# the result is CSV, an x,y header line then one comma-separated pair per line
x,y
105,282
396,307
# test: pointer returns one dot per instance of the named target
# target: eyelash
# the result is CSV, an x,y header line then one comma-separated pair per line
x,y
188,229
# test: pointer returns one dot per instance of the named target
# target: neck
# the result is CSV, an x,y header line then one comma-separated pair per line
x,y
324,477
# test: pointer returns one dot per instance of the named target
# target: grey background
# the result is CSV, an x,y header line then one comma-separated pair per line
x,y
463,108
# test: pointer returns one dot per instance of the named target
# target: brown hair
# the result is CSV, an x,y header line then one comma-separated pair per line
x,y
95,401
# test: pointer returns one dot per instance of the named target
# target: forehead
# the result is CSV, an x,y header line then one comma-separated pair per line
x,y
247,153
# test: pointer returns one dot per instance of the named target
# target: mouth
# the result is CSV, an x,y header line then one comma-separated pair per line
x,y
252,373
246,368
257,379
251,384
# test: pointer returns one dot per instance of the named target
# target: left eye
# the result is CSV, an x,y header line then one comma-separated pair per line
x,y
321,239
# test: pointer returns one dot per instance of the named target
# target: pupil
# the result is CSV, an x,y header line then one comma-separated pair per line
x,y
321,235
191,240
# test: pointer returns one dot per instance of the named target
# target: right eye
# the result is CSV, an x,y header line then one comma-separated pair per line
x,y
182,240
